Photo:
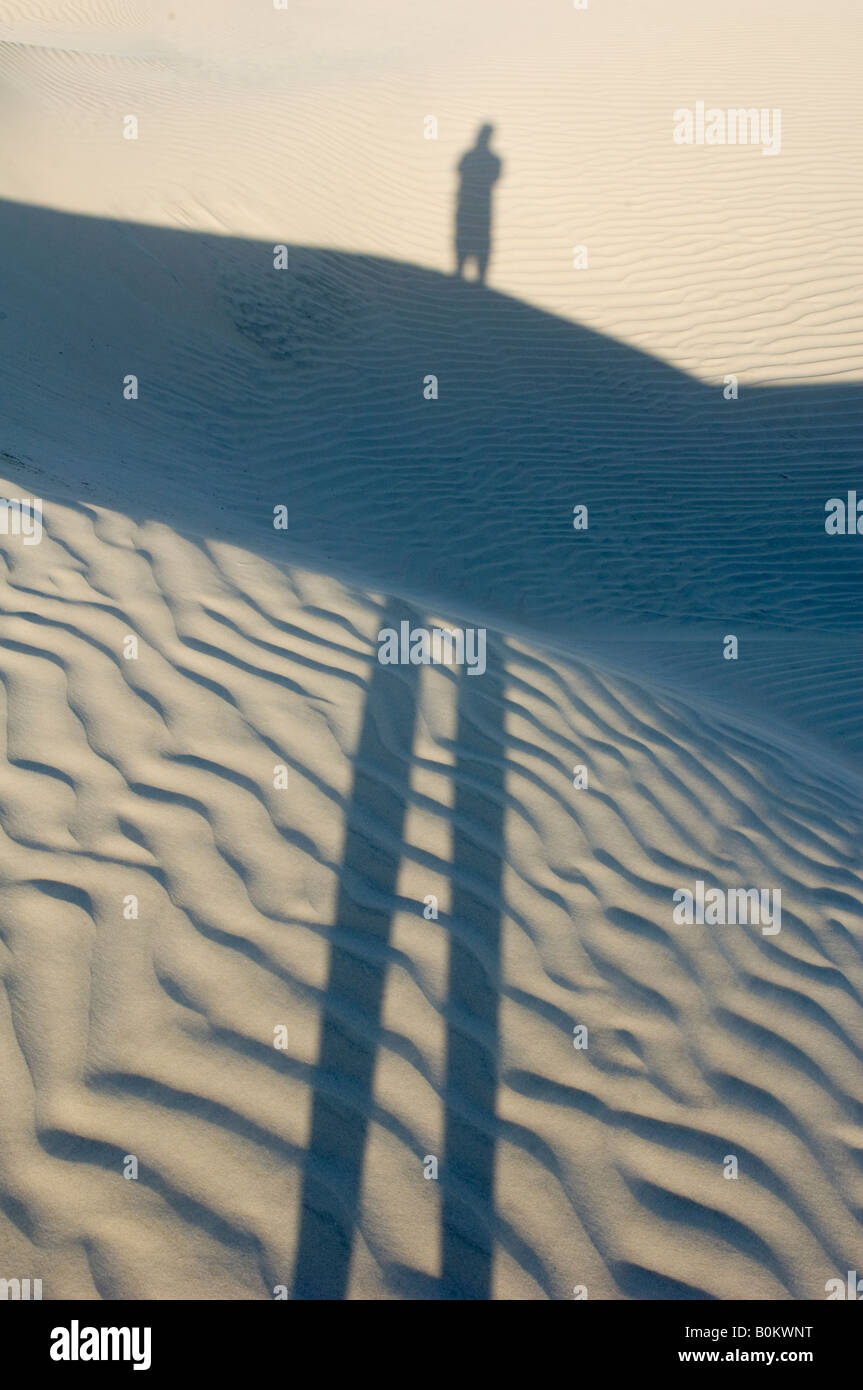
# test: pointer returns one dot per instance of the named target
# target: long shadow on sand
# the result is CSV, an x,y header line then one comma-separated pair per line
x,y
473,990
351,1015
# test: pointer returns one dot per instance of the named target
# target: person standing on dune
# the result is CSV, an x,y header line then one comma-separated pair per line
x,y
479,169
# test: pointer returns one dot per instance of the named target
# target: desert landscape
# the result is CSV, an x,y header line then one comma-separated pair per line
x,y
333,968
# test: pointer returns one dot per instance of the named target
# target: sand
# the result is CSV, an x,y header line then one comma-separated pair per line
x,y
299,950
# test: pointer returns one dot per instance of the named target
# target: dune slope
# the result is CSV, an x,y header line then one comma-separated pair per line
x,y
146,784
326,978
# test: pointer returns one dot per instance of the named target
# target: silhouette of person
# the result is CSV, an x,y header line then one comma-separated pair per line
x,y
479,169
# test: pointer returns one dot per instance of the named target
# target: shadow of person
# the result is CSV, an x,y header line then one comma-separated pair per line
x,y
479,169
360,953
470,1225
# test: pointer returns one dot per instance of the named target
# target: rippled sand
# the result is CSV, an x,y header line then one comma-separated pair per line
x,y
295,946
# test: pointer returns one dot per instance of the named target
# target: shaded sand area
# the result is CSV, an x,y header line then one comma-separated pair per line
x,y
296,947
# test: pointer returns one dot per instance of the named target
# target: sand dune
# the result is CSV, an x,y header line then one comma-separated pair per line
x,y
284,927
305,388
304,907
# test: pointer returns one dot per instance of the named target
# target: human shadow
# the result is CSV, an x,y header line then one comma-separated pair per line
x,y
479,169
351,1013
473,989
